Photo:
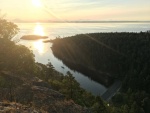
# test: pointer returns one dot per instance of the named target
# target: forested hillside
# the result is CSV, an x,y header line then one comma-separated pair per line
x,y
124,56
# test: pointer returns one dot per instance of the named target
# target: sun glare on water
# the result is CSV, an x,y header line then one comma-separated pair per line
x,y
37,3
38,30
39,46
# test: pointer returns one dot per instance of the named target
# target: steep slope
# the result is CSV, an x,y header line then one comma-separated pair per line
x,y
35,94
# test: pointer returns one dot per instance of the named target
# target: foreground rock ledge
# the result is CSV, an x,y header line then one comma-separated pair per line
x,y
35,96
13,107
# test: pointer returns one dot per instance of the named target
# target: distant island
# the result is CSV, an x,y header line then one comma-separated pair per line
x,y
33,37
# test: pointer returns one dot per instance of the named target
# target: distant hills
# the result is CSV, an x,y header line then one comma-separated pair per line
x,y
77,21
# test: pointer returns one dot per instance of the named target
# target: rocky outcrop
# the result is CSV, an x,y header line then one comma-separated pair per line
x,y
12,107
36,95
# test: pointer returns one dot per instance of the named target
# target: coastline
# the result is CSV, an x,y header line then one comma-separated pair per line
x,y
101,77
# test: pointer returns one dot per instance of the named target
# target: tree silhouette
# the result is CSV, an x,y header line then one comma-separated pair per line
x,y
7,29
71,86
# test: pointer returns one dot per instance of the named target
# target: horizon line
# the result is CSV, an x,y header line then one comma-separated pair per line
x,y
84,21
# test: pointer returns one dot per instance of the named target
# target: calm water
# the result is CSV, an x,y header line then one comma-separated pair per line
x,y
43,53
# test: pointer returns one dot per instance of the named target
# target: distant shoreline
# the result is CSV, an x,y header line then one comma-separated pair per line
x,y
83,21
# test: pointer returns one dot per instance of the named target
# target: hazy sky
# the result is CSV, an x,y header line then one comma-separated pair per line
x,y
76,10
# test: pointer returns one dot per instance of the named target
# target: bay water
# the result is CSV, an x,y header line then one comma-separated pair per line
x,y
43,53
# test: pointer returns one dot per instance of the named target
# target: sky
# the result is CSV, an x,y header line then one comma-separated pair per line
x,y
70,10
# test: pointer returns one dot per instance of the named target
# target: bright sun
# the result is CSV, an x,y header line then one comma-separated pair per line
x,y
37,3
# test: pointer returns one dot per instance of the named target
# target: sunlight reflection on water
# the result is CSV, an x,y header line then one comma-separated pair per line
x,y
39,46
39,30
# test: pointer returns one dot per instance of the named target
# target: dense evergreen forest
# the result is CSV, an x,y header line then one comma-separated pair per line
x,y
125,56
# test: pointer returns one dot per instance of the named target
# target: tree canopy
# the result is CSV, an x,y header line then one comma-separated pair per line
x,y
13,57
7,29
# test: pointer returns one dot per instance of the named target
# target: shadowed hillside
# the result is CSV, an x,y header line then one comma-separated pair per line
x,y
102,56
